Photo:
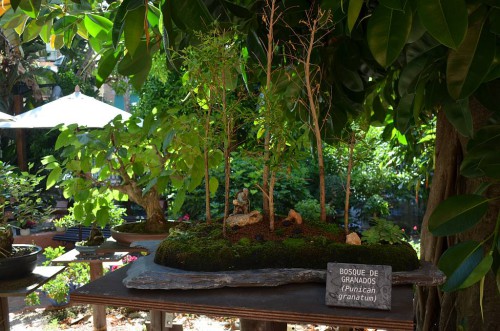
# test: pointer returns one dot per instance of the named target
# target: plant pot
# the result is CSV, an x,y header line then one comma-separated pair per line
x,y
85,249
124,237
19,266
60,228
25,232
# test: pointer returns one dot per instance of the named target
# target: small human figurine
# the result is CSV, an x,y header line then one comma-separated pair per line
x,y
241,202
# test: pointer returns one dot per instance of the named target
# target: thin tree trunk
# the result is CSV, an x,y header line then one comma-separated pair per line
x,y
208,214
272,183
316,128
267,136
459,310
348,183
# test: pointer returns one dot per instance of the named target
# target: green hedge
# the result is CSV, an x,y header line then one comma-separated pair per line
x,y
206,250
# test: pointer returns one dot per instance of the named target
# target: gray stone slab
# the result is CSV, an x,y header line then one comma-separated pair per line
x,y
145,274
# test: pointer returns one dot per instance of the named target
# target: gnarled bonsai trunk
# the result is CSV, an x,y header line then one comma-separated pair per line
x,y
436,310
150,201
6,241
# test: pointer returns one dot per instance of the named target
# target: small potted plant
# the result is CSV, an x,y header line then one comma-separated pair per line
x,y
15,260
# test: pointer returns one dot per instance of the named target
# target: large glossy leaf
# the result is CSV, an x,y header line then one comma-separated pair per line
x,y
32,30
483,154
134,28
140,77
445,20
457,214
459,115
459,262
106,65
404,112
97,26
132,65
119,22
65,23
478,272
46,31
388,30
31,7
353,13
468,66
409,76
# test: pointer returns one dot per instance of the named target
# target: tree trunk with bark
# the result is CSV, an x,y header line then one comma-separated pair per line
x,y
436,310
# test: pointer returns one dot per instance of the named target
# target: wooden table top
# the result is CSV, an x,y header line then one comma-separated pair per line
x,y
23,286
293,303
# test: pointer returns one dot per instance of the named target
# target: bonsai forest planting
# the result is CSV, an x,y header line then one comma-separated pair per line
x,y
289,134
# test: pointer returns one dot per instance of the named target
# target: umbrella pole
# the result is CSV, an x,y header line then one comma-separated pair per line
x,y
20,136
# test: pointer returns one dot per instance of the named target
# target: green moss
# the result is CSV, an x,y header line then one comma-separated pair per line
x,y
194,249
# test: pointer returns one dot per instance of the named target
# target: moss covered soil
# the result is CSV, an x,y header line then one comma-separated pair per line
x,y
202,247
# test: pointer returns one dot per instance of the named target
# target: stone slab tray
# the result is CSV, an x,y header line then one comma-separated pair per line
x,y
145,274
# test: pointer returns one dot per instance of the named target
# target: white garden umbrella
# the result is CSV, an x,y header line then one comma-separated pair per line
x,y
76,108
6,117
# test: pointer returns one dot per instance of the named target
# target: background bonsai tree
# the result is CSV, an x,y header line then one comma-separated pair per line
x,y
137,159
20,192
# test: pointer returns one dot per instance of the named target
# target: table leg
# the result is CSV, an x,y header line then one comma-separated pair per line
x,y
158,322
253,325
98,311
4,314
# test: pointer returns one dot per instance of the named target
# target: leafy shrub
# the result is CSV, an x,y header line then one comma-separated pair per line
x,y
310,210
376,206
383,231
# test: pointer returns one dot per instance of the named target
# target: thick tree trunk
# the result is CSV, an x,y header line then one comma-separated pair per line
x,y
459,310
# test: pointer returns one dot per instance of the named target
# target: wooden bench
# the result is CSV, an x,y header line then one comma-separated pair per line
x,y
72,234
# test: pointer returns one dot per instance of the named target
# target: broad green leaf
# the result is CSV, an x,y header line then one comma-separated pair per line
x,y
53,177
129,66
134,28
353,13
483,154
480,163
119,22
445,20
102,217
46,31
468,66
31,7
410,74
237,10
214,184
459,115
404,112
458,262
97,26
106,65
457,214
178,201
478,272
65,23
150,185
139,78
32,30
388,30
